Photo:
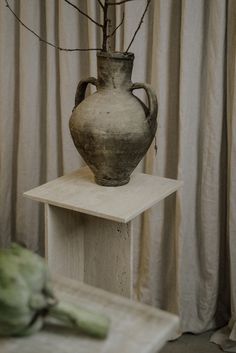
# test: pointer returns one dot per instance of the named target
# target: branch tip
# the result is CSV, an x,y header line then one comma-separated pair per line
x,y
139,25
83,13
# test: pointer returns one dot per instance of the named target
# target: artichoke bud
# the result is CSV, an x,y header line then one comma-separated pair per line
x,y
26,298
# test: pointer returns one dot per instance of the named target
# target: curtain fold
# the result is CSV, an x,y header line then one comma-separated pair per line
x,y
185,248
226,337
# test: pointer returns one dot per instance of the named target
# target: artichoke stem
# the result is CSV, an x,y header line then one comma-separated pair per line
x,y
85,321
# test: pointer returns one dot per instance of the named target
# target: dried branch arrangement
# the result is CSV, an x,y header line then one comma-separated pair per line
x,y
104,27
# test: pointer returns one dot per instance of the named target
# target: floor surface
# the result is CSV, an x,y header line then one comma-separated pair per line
x,y
189,343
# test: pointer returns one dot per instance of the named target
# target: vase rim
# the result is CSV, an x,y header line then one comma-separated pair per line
x,y
116,55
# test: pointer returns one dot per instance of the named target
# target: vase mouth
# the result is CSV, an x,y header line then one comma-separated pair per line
x,y
116,55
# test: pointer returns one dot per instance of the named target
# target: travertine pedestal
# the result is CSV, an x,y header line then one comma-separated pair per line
x,y
89,228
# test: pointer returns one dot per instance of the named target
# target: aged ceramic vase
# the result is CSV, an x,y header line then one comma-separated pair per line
x,y
112,129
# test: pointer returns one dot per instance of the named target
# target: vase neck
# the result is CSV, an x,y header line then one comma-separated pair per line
x,y
114,70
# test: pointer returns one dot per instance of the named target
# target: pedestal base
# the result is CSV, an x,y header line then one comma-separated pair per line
x,y
90,249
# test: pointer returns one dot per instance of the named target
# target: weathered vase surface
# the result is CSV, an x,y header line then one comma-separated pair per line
x,y
112,129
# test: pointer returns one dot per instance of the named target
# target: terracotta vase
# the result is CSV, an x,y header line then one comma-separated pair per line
x,y
112,129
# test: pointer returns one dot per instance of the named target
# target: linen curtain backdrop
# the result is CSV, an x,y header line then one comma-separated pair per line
x,y
185,249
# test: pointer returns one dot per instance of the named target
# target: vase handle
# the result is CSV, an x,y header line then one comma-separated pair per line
x,y
81,88
152,101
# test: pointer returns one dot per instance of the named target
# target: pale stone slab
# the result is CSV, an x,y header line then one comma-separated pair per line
x,y
79,192
135,328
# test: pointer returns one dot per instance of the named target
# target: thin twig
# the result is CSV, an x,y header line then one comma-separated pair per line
x,y
118,3
121,23
100,3
140,24
105,26
41,39
83,13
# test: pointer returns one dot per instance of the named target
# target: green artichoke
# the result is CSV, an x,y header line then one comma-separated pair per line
x,y
27,298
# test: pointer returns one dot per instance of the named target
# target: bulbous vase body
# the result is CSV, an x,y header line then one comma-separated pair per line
x,y
112,129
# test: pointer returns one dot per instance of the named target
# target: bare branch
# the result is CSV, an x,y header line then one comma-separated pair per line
x,y
83,13
140,24
105,26
41,39
119,2
100,3
121,23
106,21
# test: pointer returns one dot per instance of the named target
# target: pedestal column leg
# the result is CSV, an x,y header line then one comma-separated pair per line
x,y
108,255
64,246
92,249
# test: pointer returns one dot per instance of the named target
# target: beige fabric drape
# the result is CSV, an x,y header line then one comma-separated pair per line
x,y
186,247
